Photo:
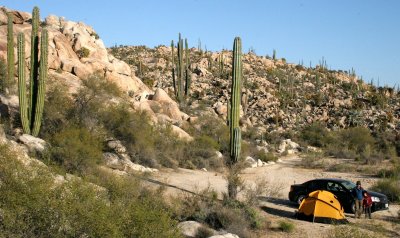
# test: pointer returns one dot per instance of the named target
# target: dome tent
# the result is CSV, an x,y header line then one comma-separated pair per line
x,y
321,206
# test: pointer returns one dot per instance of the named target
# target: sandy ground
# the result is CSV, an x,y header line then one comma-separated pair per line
x,y
277,207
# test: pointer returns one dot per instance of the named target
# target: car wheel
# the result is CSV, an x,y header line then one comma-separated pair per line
x,y
353,207
300,198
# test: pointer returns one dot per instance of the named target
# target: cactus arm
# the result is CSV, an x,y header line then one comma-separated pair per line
x,y
34,63
10,51
23,107
41,83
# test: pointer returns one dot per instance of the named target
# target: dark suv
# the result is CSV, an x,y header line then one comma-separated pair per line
x,y
341,188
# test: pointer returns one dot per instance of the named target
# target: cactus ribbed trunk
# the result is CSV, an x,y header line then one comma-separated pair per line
x,y
188,77
173,69
235,100
31,117
41,83
34,64
23,106
180,70
10,52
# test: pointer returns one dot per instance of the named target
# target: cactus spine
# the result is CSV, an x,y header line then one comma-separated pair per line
x,y
32,122
235,138
23,107
10,52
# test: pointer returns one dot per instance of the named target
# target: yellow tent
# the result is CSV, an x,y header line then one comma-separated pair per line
x,y
321,206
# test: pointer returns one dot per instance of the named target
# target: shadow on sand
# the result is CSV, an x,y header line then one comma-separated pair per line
x,y
276,211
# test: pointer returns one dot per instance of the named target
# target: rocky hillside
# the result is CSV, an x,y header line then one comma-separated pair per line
x,y
76,52
277,96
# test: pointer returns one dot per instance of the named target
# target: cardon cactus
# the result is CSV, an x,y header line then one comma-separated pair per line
x,y
31,123
235,138
10,51
23,106
180,71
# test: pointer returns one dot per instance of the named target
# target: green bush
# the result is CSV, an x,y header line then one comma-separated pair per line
x,y
286,226
348,232
32,204
315,134
265,157
76,149
83,52
390,187
231,216
57,111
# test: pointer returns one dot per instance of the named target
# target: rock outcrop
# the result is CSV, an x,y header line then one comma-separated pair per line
x,y
76,52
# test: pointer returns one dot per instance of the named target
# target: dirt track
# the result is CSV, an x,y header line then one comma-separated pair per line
x,y
277,207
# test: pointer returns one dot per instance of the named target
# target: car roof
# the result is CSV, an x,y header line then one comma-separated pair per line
x,y
329,179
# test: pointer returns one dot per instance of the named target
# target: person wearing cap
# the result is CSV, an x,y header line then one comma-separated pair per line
x,y
357,193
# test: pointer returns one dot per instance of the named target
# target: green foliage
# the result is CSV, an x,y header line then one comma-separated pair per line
x,y
32,204
286,226
76,149
390,187
83,52
314,134
230,215
348,232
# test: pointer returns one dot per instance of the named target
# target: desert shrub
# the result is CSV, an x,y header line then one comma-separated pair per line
x,y
357,138
76,149
265,156
32,204
201,153
348,232
315,134
56,114
312,161
215,129
204,232
83,52
390,187
231,216
393,172
286,226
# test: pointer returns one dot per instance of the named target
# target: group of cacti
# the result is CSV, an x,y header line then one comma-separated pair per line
x,y
181,76
31,116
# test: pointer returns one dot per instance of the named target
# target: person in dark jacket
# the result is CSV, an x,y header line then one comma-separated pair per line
x,y
367,204
357,193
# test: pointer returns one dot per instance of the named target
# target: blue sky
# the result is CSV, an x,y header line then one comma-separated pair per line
x,y
359,34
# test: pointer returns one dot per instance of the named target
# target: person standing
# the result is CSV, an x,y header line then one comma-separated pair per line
x,y
367,204
357,193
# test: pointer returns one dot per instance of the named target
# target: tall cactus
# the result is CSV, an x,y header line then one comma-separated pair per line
x,y
180,70
34,63
235,139
188,76
41,90
10,52
31,123
23,106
